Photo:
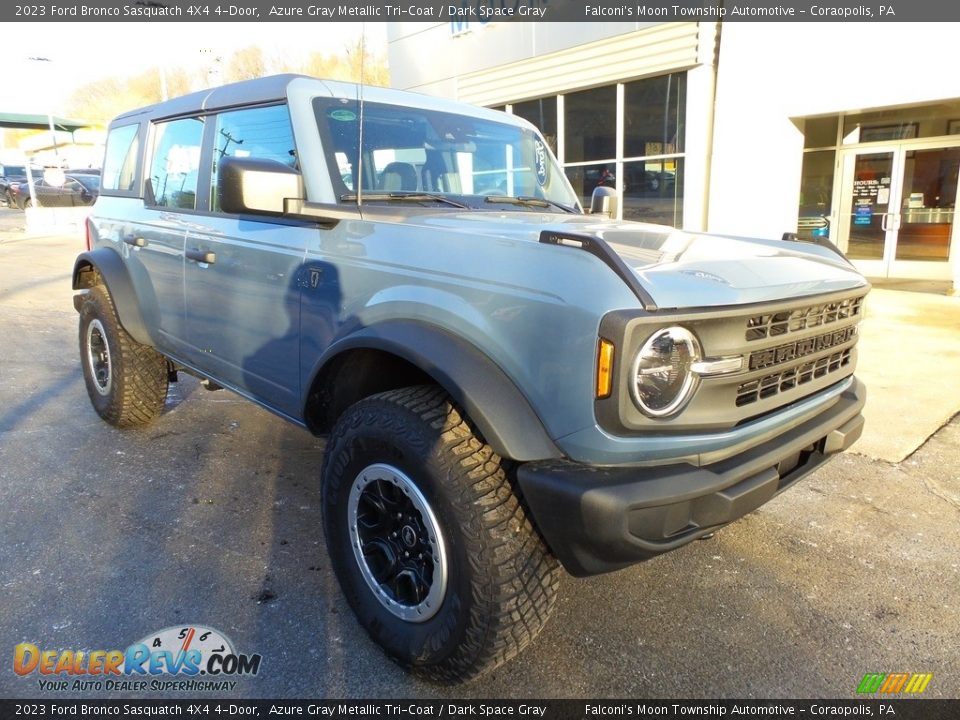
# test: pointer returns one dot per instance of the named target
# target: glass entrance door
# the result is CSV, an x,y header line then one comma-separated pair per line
x,y
897,207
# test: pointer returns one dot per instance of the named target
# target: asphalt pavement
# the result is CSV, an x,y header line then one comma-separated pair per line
x,y
211,516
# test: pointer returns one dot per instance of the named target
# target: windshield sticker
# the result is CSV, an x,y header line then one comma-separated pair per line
x,y
343,115
540,158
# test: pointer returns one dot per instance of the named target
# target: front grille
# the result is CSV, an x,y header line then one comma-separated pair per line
x,y
770,385
781,323
762,359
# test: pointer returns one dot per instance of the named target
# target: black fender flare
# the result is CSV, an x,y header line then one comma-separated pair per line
x,y
106,263
501,412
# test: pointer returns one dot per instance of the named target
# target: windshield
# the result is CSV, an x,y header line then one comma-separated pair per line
x,y
437,157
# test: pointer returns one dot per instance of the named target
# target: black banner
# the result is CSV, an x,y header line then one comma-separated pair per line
x,y
478,11
898,708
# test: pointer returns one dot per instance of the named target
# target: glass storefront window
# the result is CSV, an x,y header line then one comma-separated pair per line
x,y
919,121
543,114
816,192
653,122
654,112
591,124
653,191
927,207
585,178
870,205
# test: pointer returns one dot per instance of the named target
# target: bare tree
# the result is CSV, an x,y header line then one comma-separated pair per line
x,y
245,64
101,100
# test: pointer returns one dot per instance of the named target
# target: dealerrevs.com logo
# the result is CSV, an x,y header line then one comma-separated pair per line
x,y
198,657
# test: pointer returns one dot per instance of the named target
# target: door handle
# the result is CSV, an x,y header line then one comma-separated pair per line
x,y
135,241
202,256
885,222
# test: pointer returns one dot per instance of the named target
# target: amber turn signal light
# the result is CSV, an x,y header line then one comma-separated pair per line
x,y
604,368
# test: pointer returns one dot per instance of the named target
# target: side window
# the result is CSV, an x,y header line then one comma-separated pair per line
x,y
175,164
120,163
262,133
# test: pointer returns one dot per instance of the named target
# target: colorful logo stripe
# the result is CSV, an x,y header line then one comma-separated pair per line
x,y
892,683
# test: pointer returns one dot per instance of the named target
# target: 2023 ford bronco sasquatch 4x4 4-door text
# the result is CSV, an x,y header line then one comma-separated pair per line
x,y
508,384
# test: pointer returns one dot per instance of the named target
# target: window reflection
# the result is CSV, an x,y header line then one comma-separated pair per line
x,y
543,114
929,196
591,124
653,191
816,191
654,115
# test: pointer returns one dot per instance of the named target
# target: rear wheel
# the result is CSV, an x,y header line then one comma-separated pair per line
x,y
429,540
126,381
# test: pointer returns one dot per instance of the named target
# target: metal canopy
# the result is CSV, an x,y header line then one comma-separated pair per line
x,y
39,122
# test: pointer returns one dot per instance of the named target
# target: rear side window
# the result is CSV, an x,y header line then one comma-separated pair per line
x,y
120,163
262,133
175,164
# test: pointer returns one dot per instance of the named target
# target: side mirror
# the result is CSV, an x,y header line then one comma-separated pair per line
x,y
604,201
256,185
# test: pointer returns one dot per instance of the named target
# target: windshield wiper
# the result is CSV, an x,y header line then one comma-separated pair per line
x,y
528,201
405,197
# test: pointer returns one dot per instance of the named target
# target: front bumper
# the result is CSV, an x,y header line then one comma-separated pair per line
x,y
598,519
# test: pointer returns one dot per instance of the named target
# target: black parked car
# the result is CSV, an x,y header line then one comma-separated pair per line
x,y
76,190
10,175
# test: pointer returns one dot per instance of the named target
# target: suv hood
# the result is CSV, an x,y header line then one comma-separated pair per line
x,y
682,269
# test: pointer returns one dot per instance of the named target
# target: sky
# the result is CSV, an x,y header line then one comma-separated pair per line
x,y
81,52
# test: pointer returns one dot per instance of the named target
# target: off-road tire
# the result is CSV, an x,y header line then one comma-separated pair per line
x,y
502,580
132,388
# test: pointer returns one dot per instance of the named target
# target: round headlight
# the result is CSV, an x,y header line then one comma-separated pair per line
x,y
663,377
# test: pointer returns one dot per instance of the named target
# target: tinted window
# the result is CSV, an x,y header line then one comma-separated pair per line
x,y
543,114
90,182
172,181
262,133
653,191
120,164
591,124
654,110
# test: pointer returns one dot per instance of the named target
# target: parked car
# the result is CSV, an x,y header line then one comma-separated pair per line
x,y
10,175
508,384
76,190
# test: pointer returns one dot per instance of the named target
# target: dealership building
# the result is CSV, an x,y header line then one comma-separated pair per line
x,y
844,130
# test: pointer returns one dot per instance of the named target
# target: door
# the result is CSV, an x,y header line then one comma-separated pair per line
x,y
242,280
242,274
897,207
154,237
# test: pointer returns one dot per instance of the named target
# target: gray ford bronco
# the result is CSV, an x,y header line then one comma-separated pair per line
x,y
508,384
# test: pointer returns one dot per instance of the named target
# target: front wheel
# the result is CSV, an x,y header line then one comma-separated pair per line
x,y
126,381
429,540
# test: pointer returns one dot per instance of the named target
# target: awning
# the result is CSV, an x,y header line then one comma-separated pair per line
x,y
39,122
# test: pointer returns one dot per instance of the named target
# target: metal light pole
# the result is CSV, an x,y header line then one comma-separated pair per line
x,y
53,137
53,132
